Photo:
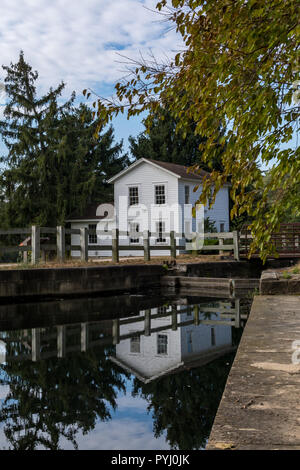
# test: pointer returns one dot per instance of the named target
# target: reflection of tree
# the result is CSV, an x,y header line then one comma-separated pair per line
x,y
184,404
56,398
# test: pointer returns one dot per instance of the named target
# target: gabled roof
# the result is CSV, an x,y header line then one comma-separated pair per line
x,y
180,171
88,213
189,362
138,375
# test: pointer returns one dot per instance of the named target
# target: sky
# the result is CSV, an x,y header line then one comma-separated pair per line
x,y
78,43
131,427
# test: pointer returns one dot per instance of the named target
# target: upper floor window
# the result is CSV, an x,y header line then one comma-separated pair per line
x,y
133,195
160,194
161,310
186,194
93,236
222,227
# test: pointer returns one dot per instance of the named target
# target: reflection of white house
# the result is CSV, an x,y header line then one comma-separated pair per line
x,y
2,352
155,196
168,350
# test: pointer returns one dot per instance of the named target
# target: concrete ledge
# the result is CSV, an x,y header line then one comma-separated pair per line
x,y
272,283
221,269
209,283
61,282
259,408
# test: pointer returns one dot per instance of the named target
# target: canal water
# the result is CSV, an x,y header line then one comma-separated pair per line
x,y
136,372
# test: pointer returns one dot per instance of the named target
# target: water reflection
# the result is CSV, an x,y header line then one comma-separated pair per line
x,y
57,382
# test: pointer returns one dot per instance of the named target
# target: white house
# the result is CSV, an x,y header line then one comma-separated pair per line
x,y
167,350
155,196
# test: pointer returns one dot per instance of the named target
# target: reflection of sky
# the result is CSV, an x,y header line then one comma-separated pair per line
x,y
131,427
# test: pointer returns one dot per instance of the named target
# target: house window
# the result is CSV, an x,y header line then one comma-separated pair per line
x,y
133,230
160,229
213,337
161,310
160,195
186,194
133,196
135,344
222,227
162,344
93,236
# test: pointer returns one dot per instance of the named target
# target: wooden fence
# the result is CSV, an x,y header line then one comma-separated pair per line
x,y
58,341
286,241
36,243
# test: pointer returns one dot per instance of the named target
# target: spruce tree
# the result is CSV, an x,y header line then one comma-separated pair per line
x,y
54,163
28,129
162,142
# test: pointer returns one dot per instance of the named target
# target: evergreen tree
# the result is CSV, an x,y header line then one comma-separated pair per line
x,y
162,142
52,400
184,405
54,164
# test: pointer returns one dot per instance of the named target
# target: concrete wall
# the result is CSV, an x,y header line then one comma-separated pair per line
x,y
77,281
222,269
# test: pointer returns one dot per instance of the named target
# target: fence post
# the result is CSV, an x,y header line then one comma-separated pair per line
x,y
84,339
196,315
173,244
115,245
35,344
116,331
25,253
147,322
221,242
61,341
84,254
35,244
61,243
146,242
236,245
174,317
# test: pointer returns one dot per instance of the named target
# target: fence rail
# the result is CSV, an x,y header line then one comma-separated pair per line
x,y
44,342
286,241
56,242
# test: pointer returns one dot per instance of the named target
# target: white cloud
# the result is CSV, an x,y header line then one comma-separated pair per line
x,y
76,41
128,402
120,434
4,390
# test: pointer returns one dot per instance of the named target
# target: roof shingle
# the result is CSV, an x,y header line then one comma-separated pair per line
x,y
179,170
